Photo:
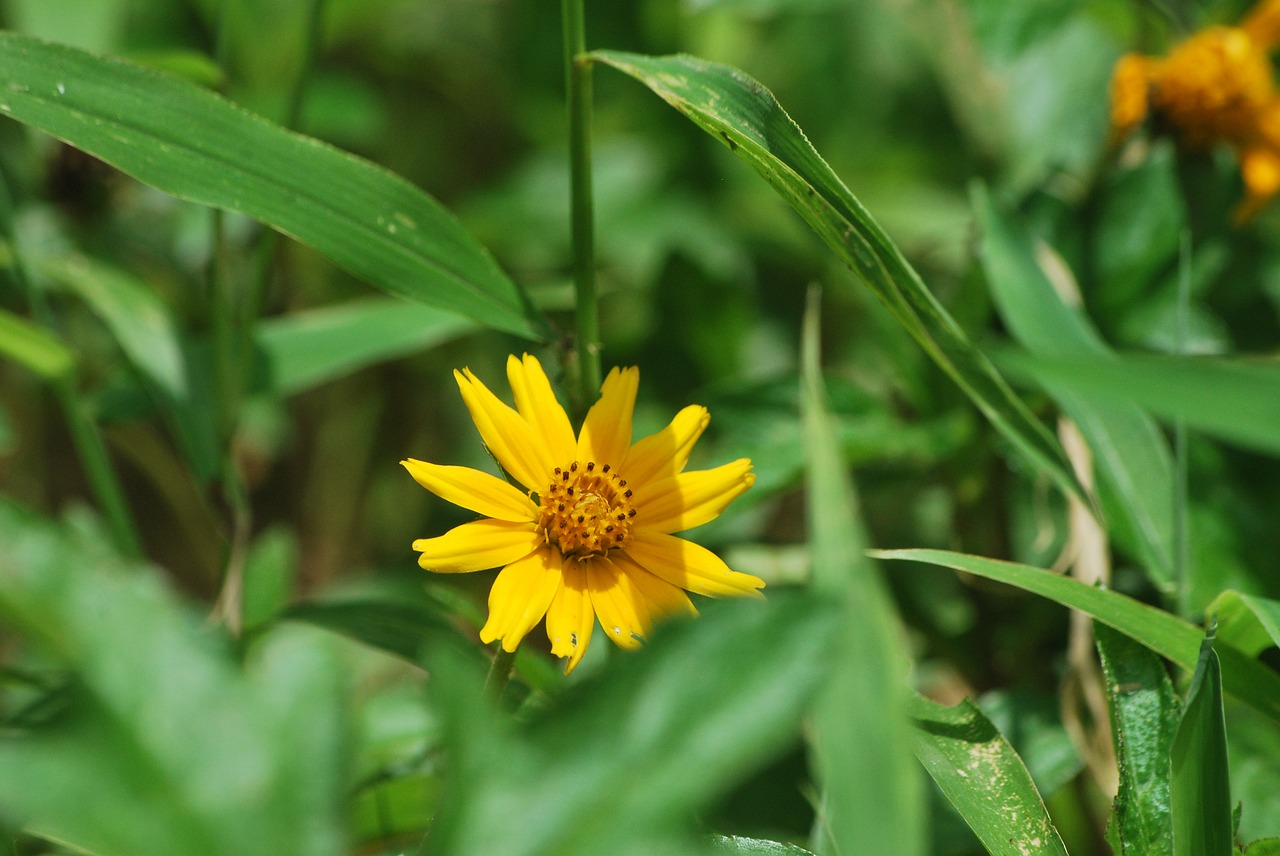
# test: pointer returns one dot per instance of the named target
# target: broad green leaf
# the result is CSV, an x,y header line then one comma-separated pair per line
x,y
1200,789
872,800
1144,716
1167,635
25,343
399,627
743,114
305,349
1131,455
1235,399
1263,847
633,756
137,317
167,746
270,567
1246,622
187,141
980,774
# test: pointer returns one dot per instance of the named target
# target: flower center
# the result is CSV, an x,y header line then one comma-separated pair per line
x,y
586,511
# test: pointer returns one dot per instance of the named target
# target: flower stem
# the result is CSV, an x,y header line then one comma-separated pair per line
x,y
577,73
499,672
1181,543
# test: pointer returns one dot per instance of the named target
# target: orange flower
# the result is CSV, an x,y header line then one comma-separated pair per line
x,y
1217,87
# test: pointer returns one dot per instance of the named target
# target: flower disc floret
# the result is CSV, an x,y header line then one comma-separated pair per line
x,y
586,511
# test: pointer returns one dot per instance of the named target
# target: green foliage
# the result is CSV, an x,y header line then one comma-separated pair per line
x,y
213,634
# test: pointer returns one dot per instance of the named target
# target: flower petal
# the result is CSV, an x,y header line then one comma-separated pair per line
x,y
473,490
477,545
536,402
659,597
665,453
689,566
606,432
520,597
519,448
570,618
625,620
690,499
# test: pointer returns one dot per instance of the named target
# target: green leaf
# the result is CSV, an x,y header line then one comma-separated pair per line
x,y
630,758
399,627
304,349
136,316
1144,716
1246,622
1234,399
166,747
1131,455
1201,791
187,141
872,800
745,116
1263,847
733,844
27,344
269,571
980,774
1167,635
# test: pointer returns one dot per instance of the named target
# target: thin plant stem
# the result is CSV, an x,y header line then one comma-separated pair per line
x,y
1181,546
499,673
85,436
577,73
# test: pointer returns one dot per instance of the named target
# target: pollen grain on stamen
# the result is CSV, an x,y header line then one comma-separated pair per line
x,y
586,511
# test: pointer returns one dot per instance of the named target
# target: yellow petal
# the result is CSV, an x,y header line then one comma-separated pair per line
x,y
1263,24
625,620
474,490
536,402
689,566
570,617
665,453
517,446
658,597
690,499
606,432
478,545
520,597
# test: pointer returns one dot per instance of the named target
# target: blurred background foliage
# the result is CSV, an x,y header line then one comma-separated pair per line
x,y
703,273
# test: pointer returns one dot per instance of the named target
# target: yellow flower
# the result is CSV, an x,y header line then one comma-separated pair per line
x,y
592,536
1217,87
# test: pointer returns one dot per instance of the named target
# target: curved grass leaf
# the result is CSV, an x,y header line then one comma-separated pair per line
x,y
305,349
745,116
135,314
1201,791
1235,399
983,777
25,343
1144,717
1246,622
1132,456
1167,635
187,141
729,845
872,800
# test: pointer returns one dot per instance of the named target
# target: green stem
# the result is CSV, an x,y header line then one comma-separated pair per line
x,y
97,467
499,672
577,73
1181,547
85,435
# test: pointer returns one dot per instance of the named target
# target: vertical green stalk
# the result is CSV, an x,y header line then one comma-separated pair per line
x,y
1180,535
577,73
85,435
499,673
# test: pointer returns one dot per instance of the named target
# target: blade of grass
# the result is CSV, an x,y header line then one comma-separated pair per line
x,y
1166,634
872,800
1200,789
744,115
187,141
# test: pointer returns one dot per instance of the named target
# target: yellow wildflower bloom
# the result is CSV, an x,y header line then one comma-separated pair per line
x,y
1216,87
592,534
